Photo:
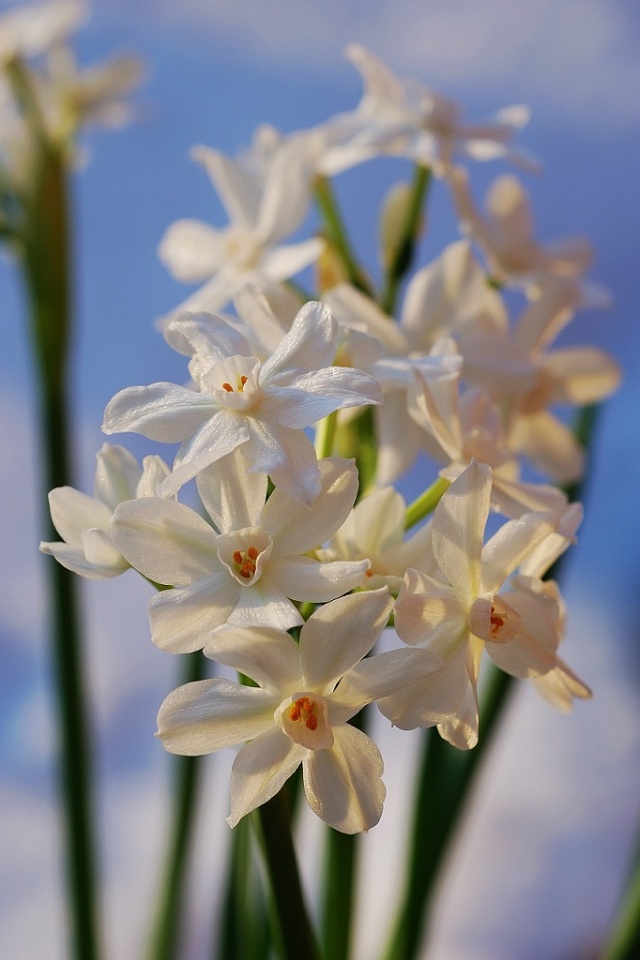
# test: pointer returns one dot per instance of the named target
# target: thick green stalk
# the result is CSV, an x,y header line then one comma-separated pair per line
x,y
403,254
45,252
293,930
337,235
164,939
244,934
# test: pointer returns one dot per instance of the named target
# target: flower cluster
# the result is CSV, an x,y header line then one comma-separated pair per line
x,y
303,551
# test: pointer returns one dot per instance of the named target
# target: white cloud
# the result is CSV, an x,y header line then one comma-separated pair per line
x,y
579,56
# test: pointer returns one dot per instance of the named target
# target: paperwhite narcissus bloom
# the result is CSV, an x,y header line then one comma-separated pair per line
x,y
505,234
240,401
298,713
263,206
462,613
247,573
525,378
457,430
400,116
83,522
375,529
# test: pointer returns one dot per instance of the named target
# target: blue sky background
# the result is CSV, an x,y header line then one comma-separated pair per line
x,y
557,812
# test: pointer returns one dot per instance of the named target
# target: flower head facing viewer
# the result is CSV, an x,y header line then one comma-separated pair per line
x,y
299,712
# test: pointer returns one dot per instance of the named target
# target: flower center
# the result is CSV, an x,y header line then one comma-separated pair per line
x,y
304,717
239,388
304,709
497,621
245,562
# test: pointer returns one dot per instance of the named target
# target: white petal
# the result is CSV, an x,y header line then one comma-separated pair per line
x,y
309,345
302,578
260,770
267,655
581,375
165,540
217,437
297,527
313,396
263,605
73,511
206,334
510,545
191,250
429,612
283,262
161,411
458,528
550,445
288,456
182,619
381,675
343,785
73,559
340,634
232,495
117,475
237,188
207,715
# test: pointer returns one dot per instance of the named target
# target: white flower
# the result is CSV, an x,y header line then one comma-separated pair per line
x,y
400,116
265,202
263,407
375,530
246,571
34,28
462,613
458,429
506,237
83,522
298,713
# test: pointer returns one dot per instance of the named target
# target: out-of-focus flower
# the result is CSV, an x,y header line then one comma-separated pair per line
x,y
84,522
241,401
247,571
299,712
400,116
525,379
458,429
33,29
461,612
374,530
505,235
266,199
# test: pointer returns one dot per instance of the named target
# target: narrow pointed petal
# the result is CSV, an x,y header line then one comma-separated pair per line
x,y
458,528
302,578
310,397
288,456
340,634
264,605
232,495
285,261
207,715
217,437
73,558
261,769
510,545
550,445
162,411
429,612
309,345
297,527
206,334
191,250
381,675
117,475
343,785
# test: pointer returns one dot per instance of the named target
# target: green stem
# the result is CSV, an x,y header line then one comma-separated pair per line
x,y
165,930
337,234
244,934
339,884
624,941
293,926
45,248
404,252
325,435
425,503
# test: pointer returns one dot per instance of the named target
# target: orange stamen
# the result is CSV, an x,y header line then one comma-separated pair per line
x,y
246,562
304,709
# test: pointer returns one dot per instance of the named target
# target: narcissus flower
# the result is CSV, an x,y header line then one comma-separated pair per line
x,y
299,712
247,572
241,401
463,611
84,522
400,116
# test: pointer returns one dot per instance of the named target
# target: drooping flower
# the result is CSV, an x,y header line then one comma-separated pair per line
x,y
400,116
84,522
247,571
299,712
463,611
241,401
